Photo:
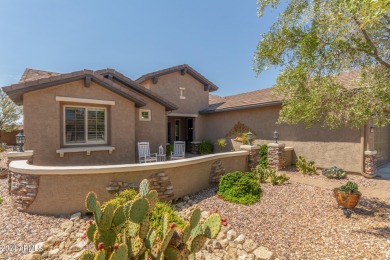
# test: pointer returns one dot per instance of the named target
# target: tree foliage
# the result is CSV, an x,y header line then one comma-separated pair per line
x,y
10,113
314,41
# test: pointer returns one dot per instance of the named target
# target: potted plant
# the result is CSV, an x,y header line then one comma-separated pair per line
x,y
347,195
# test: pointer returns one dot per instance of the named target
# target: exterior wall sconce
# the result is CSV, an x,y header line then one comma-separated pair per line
x,y
276,136
371,129
20,139
249,136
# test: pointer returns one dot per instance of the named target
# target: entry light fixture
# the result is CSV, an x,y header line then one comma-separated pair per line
x,y
20,139
249,136
276,136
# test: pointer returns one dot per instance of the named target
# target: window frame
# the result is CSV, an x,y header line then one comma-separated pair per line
x,y
145,110
85,126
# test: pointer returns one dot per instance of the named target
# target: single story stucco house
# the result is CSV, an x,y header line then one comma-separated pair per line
x,y
97,117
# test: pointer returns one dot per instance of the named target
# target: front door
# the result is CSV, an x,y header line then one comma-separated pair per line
x,y
190,130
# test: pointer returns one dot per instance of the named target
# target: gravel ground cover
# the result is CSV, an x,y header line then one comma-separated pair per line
x,y
19,232
298,221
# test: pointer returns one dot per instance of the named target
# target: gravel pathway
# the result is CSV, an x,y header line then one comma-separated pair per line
x,y
19,232
298,221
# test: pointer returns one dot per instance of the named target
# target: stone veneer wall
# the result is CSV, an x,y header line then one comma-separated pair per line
x,y
24,189
276,156
216,172
370,164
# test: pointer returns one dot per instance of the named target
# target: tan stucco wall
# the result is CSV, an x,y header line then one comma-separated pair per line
x,y
168,86
43,124
65,194
9,137
342,147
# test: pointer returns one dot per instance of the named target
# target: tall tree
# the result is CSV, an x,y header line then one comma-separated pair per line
x,y
10,113
313,41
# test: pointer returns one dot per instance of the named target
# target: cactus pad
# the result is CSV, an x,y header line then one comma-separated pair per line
x,y
165,223
167,238
186,233
120,253
144,228
87,255
97,213
195,217
150,239
197,243
172,253
91,231
185,253
135,246
212,225
90,202
176,239
119,216
100,255
196,231
107,237
144,188
152,197
139,210
126,209
107,215
132,229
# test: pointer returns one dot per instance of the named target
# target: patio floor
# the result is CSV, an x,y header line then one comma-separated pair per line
x,y
384,171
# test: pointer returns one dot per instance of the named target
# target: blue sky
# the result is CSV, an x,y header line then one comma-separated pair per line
x,y
217,38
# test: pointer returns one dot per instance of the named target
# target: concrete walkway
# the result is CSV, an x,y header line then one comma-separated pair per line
x,y
384,172
379,187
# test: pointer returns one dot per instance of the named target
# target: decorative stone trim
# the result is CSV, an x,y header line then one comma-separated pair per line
x,y
216,172
276,156
162,184
118,186
195,147
253,158
16,156
24,189
370,164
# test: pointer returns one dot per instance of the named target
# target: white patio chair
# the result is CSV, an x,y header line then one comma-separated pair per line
x,y
144,154
179,150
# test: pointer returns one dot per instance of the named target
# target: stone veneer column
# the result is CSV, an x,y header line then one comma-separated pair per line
x,y
253,158
24,189
370,164
276,156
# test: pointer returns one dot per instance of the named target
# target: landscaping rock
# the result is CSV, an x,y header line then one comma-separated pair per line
x,y
75,216
231,235
67,224
249,245
262,253
240,239
32,257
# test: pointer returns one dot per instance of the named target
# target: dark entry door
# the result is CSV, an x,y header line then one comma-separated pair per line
x,y
169,133
190,130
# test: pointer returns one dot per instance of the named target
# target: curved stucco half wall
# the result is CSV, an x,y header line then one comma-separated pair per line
x,y
62,190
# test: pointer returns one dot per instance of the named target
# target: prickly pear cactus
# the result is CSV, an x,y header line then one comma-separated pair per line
x,y
125,232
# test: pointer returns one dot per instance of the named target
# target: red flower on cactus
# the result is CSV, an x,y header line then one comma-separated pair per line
x,y
116,246
83,236
173,225
90,222
100,246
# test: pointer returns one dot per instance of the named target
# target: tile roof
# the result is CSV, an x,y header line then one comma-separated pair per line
x,y
261,97
189,69
31,75
138,88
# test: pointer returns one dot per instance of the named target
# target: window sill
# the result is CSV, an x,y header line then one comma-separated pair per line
x,y
88,150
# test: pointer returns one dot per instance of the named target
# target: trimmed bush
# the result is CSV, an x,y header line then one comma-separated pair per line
x,y
305,167
263,156
240,187
122,198
205,147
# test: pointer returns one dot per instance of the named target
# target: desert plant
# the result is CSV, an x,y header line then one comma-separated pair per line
x,y
169,150
334,173
157,217
263,156
305,167
206,147
240,187
121,198
265,174
1,200
349,187
126,232
221,142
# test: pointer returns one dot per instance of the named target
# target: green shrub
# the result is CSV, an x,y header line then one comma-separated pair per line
x,y
205,147
122,198
349,187
221,142
305,167
334,173
169,150
263,160
1,200
240,187
278,179
157,217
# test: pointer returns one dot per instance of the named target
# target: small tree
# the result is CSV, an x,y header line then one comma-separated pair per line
x,y
10,113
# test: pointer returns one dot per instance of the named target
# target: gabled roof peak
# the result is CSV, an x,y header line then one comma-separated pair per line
x,y
33,74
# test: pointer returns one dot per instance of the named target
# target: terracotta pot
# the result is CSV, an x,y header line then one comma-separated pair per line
x,y
347,200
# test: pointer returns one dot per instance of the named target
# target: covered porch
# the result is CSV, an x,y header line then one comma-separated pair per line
x,y
183,127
